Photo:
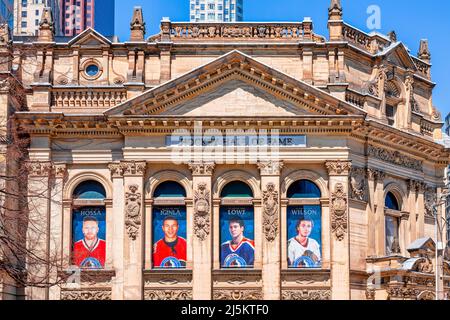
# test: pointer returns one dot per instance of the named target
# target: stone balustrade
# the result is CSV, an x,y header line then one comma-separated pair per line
x,y
242,30
88,98
370,43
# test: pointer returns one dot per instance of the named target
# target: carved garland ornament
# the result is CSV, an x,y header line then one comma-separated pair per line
x,y
237,295
306,295
133,211
167,295
339,221
86,295
270,212
201,211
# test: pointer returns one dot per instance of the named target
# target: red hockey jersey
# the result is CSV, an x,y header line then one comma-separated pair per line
x,y
85,257
169,254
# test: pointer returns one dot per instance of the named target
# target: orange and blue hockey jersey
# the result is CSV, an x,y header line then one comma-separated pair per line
x,y
237,255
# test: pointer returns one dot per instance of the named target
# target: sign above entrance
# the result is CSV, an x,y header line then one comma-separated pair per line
x,y
298,141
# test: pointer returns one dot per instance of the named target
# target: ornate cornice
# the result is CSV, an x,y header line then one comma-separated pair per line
x,y
270,168
338,168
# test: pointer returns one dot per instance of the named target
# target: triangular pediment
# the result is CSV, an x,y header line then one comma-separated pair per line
x,y
90,38
235,85
398,55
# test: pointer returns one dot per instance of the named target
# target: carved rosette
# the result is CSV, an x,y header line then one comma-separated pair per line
x,y
338,168
358,184
270,212
237,295
339,219
202,222
167,295
306,295
86,295
133,211
201,168
39,168
270,168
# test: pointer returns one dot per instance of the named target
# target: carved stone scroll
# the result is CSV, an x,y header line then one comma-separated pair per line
x,y
339,220
133,211
270,212
202,223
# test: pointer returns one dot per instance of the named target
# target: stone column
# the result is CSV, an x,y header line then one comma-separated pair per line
x,y
420,207
379,226
340,243
133,255
202,237
37,240
56,226
372,180
118,225
271,241
411,226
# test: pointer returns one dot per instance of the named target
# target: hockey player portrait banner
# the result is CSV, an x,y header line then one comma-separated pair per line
x,y
169,237
237,236
89,237
304,236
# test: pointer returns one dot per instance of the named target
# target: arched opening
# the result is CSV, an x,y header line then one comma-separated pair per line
x,y
392,224
237,234
89,225
304,230
169,226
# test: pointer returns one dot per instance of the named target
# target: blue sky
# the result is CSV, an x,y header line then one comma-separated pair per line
x,y
411,19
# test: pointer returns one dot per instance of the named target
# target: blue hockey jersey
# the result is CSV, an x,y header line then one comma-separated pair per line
x,y
241,255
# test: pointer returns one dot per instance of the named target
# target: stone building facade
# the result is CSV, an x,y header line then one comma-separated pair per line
x,y
355,109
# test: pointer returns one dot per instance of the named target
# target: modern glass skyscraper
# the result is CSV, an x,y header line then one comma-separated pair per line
x,y
7,12
78,15
216,10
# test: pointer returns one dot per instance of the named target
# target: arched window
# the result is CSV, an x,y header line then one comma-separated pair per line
x,y
304,218
89,225
392,224
237,249
169,226
303,189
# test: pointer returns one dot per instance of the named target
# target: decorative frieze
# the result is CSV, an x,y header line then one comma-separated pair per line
x,y
167,294
86,295
270,212
225,294
201,168
202,222
338,168
358,184
270,168
339,209
306,294
133,211
394,157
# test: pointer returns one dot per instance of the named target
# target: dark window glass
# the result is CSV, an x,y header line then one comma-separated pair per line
x,y
89,190
391,202
236,189
303,189
169,189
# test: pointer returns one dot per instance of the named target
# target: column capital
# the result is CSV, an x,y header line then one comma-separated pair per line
x,y
270,168
202,168
338,167
127,168
39,168
375,174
